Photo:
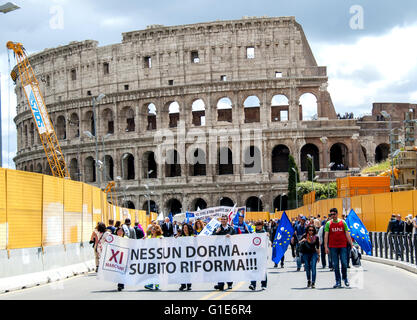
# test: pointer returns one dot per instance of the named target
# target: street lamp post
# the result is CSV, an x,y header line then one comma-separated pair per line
x,y
391,144
147,188
123,160
259,201
331,164
95,101
280,201
91,136
312,164
104,157
77,123
296,193
218,189
124,195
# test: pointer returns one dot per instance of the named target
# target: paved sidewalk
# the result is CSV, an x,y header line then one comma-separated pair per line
x,y
35,279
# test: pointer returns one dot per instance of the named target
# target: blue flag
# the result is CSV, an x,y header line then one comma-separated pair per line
x,y
282,238
240,213
170,217
358,232
189,215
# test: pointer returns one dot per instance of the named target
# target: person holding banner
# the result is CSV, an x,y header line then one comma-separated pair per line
x,y
241,227
259,229
168,228
120,232
187,231
156,232
224,229
98,238
198,227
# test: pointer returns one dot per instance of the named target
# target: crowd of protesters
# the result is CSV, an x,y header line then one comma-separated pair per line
x,y
315,239
397,225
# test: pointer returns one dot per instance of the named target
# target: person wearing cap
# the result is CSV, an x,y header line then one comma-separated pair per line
x,y
129,231
336,239
300,229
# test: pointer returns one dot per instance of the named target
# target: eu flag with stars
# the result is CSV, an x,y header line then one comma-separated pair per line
x,y
358,232
282,238
170,216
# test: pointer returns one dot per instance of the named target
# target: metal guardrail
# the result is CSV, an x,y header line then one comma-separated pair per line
x,y
394,246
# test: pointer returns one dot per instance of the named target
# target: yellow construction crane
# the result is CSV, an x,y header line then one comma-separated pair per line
x,y
109,189
36,103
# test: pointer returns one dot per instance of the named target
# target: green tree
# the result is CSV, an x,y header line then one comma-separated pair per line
x,y
310,167
291,180
323,191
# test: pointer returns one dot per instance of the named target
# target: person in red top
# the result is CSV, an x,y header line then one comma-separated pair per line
x,y
336,238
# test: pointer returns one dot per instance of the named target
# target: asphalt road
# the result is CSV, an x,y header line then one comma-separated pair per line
x,y
372,281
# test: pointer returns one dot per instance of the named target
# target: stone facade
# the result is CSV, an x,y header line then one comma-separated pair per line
x,y
165,80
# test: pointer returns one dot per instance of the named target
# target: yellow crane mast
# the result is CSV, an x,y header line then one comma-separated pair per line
x,y
40,114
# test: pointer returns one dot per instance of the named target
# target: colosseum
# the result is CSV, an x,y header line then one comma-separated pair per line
x,y
198,115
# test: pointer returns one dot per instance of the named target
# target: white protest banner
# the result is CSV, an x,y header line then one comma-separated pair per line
x,y
184,260
211,212
210,227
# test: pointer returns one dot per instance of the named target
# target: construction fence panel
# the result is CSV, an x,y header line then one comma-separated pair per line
x,y
104,207
88,224
142,219
124,214
118,215
383,210
356,205
368,212
132,216
97,210
3,210
53,211
402,203
24,209
73,209
414,203
338,204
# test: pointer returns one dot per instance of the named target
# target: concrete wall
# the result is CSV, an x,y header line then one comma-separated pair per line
x,y
32,260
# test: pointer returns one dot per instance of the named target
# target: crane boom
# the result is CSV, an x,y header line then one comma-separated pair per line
x,y
40,114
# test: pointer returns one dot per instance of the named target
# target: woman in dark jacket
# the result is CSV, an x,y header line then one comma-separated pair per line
x,y
310,248
187,231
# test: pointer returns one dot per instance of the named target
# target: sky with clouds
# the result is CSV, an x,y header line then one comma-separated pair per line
x,y
374,63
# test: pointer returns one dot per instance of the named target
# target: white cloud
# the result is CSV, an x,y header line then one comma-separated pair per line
x,y
371,69
115,22
308,102
8,112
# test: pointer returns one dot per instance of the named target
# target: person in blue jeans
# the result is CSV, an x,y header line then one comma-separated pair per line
x,y
259,228
299,232
336,239
310,249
